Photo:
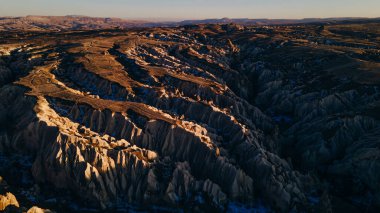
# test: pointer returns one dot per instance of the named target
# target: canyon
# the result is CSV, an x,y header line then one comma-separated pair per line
x,y
207,117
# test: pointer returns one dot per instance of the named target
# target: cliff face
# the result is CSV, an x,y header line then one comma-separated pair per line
x,y
173,117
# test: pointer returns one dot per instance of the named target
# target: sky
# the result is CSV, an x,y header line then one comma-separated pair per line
x,y
194,9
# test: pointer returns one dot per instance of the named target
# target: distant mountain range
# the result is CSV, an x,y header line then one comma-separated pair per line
x,y
247,21
76,22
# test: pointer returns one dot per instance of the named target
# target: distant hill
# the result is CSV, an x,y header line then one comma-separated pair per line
x,y
77,22
57,23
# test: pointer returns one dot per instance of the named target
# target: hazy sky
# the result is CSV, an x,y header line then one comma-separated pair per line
x,y
193,9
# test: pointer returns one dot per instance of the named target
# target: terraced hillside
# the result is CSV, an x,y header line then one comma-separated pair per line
x,y
202,117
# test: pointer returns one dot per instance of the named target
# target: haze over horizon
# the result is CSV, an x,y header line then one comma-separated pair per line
x,y
194,9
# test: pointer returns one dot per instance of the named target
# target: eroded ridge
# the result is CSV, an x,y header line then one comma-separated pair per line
x,y
198,115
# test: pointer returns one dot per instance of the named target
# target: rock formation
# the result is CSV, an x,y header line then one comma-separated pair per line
x,y
8,200
208,116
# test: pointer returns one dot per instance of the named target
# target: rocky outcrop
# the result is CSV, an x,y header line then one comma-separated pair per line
x,y
9,202
6,200
36,209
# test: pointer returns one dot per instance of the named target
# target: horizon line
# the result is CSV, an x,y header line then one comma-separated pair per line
x,y
166,19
